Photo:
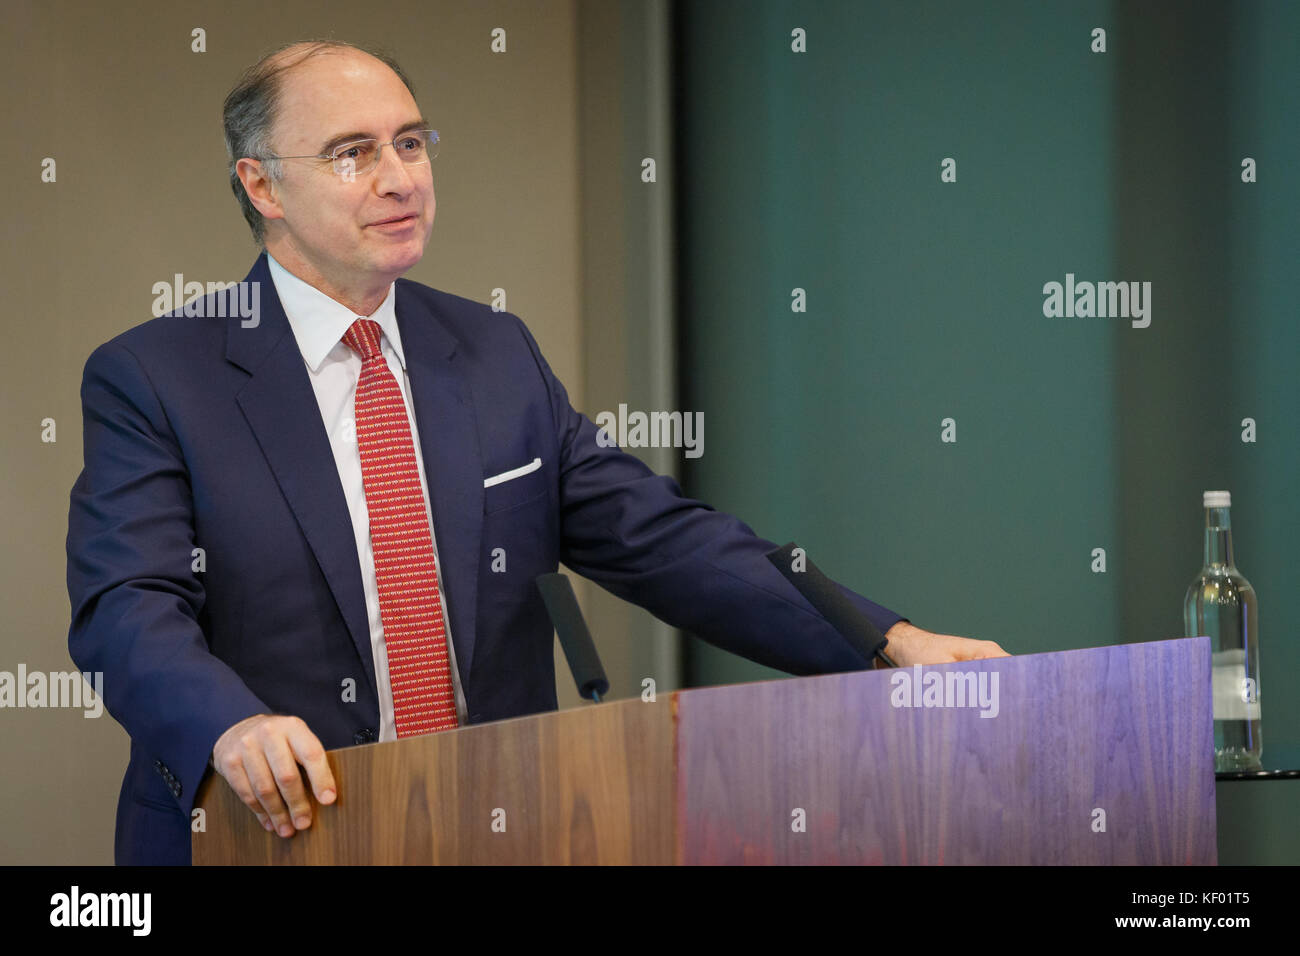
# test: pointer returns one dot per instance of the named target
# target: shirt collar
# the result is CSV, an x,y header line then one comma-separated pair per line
x,y
319,322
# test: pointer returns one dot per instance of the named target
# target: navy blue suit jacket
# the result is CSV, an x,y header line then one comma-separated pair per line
x,y
202,433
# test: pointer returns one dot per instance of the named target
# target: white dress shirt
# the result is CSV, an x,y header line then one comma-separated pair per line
x,y
318,324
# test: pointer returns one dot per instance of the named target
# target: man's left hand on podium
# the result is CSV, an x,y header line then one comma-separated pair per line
x,y
910,645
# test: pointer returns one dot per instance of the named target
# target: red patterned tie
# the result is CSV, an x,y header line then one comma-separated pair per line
x,y
410,606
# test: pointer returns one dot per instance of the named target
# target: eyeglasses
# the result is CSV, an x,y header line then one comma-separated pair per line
x,y
360,156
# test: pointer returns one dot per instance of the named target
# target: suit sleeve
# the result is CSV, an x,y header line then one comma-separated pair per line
x,y
135,600
633,532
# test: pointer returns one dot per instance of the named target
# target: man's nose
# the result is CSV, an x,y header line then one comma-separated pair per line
x,y
391,174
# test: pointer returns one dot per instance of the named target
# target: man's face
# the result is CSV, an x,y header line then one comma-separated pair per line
x,y
343,232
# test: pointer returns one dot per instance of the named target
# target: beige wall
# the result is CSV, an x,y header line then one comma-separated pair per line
x,y
132,117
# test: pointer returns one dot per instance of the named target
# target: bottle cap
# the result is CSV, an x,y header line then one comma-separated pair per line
x,y
1217,499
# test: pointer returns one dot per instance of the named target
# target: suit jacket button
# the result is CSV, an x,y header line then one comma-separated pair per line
x,y
176,788
366,736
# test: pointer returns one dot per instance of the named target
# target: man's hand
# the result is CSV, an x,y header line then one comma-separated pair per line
x,y
910,645
259,758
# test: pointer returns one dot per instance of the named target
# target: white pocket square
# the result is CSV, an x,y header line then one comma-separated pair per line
x,y
527,469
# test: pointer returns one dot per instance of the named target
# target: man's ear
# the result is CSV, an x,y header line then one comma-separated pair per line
x,y
260,189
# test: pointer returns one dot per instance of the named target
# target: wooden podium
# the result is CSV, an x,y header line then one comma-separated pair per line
x,y
1095,756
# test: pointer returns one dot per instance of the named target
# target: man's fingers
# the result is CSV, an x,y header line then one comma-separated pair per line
x,y
259,758
310,753
267,791
289,780
235,776
985,649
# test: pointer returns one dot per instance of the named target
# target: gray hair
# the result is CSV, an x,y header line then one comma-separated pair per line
x,y
252,107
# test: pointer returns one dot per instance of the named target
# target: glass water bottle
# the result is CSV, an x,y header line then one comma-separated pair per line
x,y
1222,605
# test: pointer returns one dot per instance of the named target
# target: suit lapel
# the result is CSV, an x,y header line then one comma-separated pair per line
x,y
453,463
281,408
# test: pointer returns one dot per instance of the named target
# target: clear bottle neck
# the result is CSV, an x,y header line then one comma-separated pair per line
x,y
1218,538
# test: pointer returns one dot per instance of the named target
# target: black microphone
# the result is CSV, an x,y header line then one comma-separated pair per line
x,y
826,596
579,649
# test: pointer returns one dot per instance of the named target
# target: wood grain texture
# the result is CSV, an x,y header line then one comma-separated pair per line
x,y
588,785
1126,729
713,775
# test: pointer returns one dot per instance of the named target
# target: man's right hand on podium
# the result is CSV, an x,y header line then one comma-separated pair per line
x,y
259,757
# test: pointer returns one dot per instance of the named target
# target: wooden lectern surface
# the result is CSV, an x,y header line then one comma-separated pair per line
x,y
1102,756
592,785
1096,756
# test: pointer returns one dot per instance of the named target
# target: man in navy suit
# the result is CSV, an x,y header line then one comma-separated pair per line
x,y
220,565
